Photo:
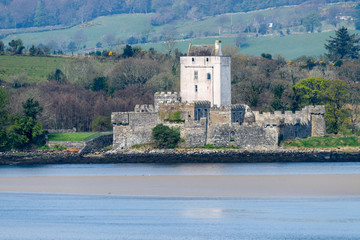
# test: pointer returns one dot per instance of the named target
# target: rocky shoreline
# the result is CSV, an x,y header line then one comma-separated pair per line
x,y
179,156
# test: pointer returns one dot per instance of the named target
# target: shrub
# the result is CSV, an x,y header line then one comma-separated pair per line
x,y
165,137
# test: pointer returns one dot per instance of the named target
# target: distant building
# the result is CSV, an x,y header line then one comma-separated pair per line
x,y
206,115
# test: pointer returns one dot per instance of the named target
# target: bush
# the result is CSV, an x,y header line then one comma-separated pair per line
x,y
102,123
165,137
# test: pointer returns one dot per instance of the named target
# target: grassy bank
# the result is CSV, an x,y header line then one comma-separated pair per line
x,y
324,142
73,137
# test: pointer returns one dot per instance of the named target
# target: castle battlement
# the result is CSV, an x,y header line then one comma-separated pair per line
x,y
202,104
288,117
144,108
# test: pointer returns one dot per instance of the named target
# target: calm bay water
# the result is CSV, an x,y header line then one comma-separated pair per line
x,y
179,169
74,217
106,217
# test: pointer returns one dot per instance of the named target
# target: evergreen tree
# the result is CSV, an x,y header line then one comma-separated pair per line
x,y
39,18
343,45
32,108
311,21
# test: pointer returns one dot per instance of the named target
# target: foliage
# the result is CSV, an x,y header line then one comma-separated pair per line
x,y
25,131
343,45
32,108
59,147
2,46
4,100
165,137
99,84
57,76
311,21
336,96
332,93
175,117
311,90
101,123
16,46
324,142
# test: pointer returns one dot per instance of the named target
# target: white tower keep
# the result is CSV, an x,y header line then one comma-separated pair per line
x,y
205,75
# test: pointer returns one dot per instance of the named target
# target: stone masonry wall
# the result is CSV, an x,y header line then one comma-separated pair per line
x,y
194,133
243,136
137,130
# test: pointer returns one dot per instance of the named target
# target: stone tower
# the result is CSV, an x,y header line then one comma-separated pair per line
x,y
205,75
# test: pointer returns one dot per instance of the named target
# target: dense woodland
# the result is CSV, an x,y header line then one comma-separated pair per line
x,y
83,92
36,13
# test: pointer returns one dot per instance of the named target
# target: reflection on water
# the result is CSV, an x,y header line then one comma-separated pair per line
x,y
179,169
70,217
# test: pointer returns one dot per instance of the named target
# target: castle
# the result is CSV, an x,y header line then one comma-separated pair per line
x,y
205,115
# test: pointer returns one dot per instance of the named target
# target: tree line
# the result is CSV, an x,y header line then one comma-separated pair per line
x,y
83,92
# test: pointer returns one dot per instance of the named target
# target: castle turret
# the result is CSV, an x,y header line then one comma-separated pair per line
x,y
318,126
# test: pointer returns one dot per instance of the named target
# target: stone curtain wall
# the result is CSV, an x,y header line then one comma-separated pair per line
x,y
244,137
133,128
251,130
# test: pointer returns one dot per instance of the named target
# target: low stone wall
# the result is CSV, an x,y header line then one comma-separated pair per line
x,y
72,130
68,144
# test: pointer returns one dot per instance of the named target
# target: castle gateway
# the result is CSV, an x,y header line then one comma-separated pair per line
x,y
206,113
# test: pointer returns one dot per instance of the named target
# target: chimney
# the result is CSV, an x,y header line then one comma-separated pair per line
x,y
218,51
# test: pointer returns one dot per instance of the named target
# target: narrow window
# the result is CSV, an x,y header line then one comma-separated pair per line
x,y
196,75
208,76
193,59
207,59
196,89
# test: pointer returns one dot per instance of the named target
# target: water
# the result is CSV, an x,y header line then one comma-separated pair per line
x,y
75,217
180,169
107,217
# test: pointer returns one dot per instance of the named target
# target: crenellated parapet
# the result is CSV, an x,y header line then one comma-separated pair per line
x,y
162,97
144,108
202,104
287,117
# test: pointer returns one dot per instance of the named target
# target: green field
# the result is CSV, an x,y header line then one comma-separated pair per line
x,y
290,46
123,26
73,137
324,142
36,68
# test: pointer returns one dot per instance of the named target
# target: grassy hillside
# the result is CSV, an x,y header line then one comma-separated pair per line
x,y
36,68
290,46
124,26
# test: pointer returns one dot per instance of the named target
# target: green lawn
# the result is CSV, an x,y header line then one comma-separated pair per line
x,y
36,68
72,137
324,142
